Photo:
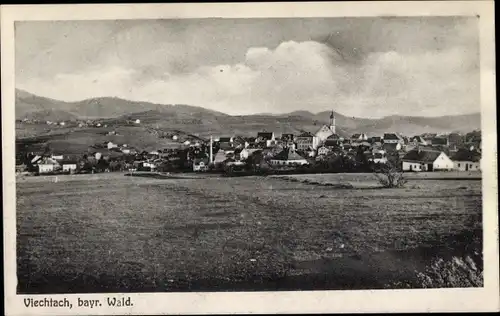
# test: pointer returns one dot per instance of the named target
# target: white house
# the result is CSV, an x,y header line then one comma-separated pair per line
x,y
62,123
57,157
379,155
175,137
69,166
187,142
137,121
47,165
426,160
467,160
148,164
200,165
288,157
322,151
112,145
247,152
45,168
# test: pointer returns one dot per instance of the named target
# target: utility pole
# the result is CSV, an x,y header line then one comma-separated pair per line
x,y
211,149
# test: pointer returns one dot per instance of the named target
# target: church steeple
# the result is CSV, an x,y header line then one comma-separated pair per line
x,y
332,122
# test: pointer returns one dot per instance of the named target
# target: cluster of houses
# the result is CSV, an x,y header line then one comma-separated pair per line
x,y
427,152
74,123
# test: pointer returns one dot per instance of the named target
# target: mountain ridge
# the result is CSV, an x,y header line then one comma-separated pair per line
x,y
202,120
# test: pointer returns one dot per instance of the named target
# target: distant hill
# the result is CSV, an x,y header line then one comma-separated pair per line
x,y
28,104
204,122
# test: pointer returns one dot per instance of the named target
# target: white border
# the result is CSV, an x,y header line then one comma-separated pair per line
x,y
482,299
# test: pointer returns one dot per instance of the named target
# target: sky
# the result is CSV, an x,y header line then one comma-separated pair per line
x,y
357,66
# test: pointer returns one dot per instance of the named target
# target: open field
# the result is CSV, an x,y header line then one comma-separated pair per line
x,y
112,233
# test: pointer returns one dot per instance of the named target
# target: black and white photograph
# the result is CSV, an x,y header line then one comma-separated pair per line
x,y
248,154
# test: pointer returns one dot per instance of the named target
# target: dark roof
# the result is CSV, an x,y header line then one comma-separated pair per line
x,y
306,134
466,155
287,136
376,139
287,154
426,156
390,147
356,136
225,145
265,135
69,162
333,137
439,141
224,139
331,142
392,136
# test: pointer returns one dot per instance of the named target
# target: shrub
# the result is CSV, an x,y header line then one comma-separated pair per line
x,y
457,272
389,176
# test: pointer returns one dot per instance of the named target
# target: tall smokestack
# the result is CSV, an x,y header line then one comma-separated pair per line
x,y
211,149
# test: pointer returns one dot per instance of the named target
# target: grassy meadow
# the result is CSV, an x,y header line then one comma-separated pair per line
x,y
112,233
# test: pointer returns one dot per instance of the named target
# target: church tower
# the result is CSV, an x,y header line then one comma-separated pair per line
x,y
332,123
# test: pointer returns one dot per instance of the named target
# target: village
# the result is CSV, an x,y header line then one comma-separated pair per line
x,y
322,150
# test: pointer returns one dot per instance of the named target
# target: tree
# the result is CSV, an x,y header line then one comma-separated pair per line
x,y
389,175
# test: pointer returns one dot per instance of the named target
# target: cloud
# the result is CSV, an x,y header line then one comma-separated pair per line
x,y
293,76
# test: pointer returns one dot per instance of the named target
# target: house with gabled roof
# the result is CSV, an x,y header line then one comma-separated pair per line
x,y
467,160
47,165
307,141
426,160
357,138
440,141
393,138
288,157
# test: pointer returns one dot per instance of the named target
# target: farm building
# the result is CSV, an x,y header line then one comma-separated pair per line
x,y
47,165
393,138
69,165
288,157
426,160
467,160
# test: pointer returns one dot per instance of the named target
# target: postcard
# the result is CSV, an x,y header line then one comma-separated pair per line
x,y
231,158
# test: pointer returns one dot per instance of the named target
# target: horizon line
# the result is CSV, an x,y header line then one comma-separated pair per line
x,y
236,115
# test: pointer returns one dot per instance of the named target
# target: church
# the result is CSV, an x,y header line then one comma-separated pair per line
x,y
326,131
307,141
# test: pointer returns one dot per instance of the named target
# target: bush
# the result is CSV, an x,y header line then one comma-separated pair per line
x,y
457,273
389,176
